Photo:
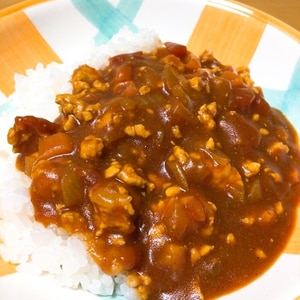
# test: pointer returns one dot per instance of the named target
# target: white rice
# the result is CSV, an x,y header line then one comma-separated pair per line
x,y
50,251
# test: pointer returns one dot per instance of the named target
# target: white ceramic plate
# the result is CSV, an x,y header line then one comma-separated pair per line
x,y
61,30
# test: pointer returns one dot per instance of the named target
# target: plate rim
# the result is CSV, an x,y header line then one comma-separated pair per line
x,y
260,15
256,13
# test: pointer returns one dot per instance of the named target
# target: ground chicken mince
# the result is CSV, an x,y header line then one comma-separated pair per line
x,y
171,167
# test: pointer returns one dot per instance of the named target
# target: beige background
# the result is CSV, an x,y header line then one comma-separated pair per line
x,y
287,11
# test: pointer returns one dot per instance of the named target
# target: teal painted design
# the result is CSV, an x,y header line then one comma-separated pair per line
x,y
5,108
109,19
288,101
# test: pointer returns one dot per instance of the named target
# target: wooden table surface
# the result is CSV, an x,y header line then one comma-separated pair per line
x,y
287,11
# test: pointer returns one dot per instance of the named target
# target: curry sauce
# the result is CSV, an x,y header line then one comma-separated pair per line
x,y
171,167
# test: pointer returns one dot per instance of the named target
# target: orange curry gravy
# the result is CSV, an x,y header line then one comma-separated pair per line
x,y
171,167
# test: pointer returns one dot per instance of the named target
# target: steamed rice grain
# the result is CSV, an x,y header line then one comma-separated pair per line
x,y
50,251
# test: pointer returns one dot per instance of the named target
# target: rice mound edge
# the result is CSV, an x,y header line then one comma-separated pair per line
x,y
50,251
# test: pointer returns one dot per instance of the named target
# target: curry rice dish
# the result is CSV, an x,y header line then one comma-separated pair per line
x,y
171,167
